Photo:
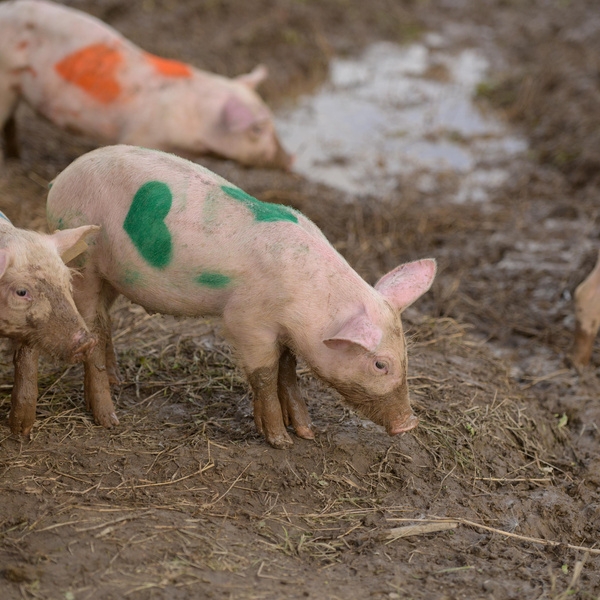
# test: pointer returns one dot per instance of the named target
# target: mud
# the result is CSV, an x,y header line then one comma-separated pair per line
x,y
185,500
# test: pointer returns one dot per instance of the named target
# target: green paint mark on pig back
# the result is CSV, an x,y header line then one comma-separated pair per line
x,y
213,280
145,223
263,211
3,216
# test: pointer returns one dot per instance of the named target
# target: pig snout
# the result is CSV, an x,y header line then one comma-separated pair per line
x,y
82,344
392,411
402,425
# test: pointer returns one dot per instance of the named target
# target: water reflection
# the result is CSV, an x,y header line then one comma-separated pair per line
x,y
396,112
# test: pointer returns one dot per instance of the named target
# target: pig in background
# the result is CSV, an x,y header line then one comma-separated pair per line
x,y
37,309
587,315
86,77
280,288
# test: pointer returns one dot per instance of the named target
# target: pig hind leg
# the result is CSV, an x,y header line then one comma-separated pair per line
x,y
293,406
93,298
112,363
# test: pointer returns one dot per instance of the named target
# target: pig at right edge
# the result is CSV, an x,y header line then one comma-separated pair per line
x,y
178,239
587,314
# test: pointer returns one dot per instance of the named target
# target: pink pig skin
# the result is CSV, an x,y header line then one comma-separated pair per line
x,y
126,95
280,288
37,309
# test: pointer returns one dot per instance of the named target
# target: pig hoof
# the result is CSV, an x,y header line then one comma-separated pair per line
x,y
305,433
20,427
22,432
280,441
107,421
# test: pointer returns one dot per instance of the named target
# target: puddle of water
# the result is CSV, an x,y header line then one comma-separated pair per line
x,y
400,111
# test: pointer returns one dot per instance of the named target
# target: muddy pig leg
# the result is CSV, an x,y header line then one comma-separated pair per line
x,y
91,296
258,351
267,409
293,406
25,390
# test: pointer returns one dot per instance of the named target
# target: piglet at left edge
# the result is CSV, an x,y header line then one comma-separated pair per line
x,y
37,309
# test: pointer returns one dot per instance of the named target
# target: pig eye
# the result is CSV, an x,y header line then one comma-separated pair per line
x,y
23,293
381,366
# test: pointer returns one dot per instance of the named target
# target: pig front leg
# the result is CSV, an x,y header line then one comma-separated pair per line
x,y
97,385
25,390
268,415
93,298
259,352
293,406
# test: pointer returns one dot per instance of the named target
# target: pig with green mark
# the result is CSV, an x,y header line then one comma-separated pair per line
x,y
180,240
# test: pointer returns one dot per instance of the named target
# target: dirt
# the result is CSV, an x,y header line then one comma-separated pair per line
x,y
185,500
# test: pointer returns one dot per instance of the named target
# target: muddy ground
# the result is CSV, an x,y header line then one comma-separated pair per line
x,y
185,500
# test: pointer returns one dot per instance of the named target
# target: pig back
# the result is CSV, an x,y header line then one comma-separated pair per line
x,y
177,238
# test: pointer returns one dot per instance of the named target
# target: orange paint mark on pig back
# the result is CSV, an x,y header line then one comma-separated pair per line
x,y
168,67
93,69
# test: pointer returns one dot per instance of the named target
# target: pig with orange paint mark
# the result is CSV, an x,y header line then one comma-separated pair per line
x,y
86,77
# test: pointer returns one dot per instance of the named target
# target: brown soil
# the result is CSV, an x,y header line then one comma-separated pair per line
x,y
185,500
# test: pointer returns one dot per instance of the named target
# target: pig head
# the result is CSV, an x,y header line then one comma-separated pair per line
x,y
367,362
36,305
244,127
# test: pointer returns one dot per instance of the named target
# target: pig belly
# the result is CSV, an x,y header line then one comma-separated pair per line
x,y
178,290
73,111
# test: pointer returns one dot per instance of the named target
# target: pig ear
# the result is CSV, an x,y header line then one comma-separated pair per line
x,y
4,260
237,116
402,286
256,76
70,243
358,330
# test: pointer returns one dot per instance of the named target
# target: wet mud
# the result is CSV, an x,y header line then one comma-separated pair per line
x,y
464,131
